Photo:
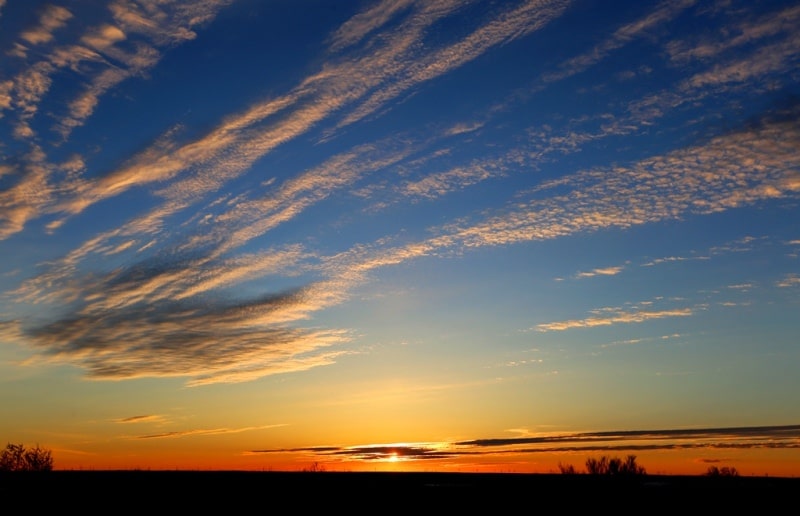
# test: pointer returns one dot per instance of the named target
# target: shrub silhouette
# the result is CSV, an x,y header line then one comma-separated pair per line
x,y
608,466
614,466
316,467
15,457
725,471
567,469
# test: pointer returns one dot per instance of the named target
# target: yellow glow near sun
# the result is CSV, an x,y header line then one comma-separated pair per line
x,y
393,458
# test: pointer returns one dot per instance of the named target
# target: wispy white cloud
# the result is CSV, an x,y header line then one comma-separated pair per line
x,y
634,342
514,23
249,135
150,418
30,86
103,37
161,24
761,63
6,88
732,304
464,128
362,24
740,245
740,34
666,11
438,184
668,259
52,18
248,220
604,271
82,107
124,246
616,318
143,27
732,170
790,280
754,67
239,139
28,196
205,431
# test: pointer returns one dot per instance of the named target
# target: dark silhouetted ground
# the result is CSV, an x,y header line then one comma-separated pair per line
x,y
125,492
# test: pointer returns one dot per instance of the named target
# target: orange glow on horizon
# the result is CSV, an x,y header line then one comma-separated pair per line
x,y
764,463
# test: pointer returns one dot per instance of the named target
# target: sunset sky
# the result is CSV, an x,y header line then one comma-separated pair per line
x,y
401,235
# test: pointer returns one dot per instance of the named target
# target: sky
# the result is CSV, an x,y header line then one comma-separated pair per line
x,y
401,235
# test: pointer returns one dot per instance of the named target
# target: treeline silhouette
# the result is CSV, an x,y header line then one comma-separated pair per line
x,y
614,466
607,466
16,457
724,471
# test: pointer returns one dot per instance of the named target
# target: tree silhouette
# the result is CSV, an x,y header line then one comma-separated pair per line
x,y
724,471
15,457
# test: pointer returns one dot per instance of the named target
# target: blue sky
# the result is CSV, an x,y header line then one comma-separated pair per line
x,y
400,221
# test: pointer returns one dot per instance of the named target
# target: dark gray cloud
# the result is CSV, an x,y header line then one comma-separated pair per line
x,y
776,437
131,323
753,433
372,453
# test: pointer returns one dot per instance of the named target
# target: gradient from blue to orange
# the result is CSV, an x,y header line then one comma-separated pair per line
x,y
401,235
